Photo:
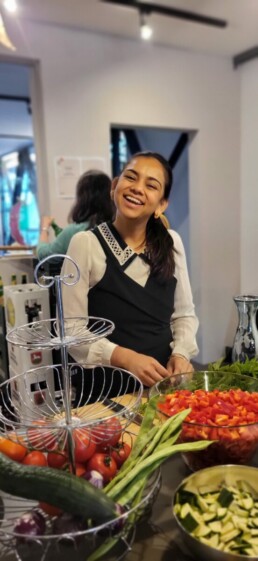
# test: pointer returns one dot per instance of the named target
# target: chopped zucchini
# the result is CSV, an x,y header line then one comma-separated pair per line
x,y
189,523
225,497
221,512
229,536
247,503
216,526
202,530
207,489
223,517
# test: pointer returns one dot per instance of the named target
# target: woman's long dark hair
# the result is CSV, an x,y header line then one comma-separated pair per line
x,y
93,201
159,243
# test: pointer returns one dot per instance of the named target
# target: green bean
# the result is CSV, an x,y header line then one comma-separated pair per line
x,y
152,460
165,431
146,434
103,549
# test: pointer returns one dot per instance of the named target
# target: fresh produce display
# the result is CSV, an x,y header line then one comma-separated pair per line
x,y
224,409
59,488
153,445
221,516
80,502
228,417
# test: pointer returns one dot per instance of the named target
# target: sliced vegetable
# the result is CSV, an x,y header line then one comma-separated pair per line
x,y
231,527
215,408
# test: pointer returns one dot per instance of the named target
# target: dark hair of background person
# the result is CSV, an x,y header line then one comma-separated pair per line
x,y
93,201
159,244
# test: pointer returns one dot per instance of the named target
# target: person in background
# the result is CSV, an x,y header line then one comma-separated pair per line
x,y
134,273
92,206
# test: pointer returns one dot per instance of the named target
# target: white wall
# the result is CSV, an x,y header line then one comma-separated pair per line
x,y
249,177
90,81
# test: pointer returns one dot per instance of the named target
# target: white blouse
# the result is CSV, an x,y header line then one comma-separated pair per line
x,y
87,252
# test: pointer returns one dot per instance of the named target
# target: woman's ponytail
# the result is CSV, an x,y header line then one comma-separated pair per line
x,y
160,249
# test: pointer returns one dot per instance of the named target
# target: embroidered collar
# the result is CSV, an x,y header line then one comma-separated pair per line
x,y
115,242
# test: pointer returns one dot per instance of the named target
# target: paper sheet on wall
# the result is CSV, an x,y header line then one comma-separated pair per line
x,y
69,169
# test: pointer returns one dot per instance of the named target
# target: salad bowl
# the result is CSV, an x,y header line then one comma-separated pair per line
x,y
224,409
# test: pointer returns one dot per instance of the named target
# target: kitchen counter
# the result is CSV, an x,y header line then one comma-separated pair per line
x,y
158,538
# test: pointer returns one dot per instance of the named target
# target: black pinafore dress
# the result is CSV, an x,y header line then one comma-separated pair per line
x,y
141,314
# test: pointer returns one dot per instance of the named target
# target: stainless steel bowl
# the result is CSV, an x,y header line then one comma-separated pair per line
x,y
215,475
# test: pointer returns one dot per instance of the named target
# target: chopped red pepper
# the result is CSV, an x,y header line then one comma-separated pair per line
x,y
218,408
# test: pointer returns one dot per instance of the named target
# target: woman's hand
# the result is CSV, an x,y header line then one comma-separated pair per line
x,y
178,364
46,221
146,368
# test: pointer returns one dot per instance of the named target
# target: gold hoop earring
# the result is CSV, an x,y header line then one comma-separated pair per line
x,y
156,215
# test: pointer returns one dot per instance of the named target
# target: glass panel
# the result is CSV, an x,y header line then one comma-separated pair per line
x,y
20,219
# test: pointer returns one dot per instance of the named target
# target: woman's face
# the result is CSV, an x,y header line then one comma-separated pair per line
x,y
139,191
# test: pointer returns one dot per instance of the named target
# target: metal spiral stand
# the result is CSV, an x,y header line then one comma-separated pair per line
x,y
72,397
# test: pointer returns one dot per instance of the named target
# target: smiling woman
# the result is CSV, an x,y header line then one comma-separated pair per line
x,y
134,272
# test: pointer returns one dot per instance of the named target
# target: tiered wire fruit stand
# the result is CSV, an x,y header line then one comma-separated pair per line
x,y
70,397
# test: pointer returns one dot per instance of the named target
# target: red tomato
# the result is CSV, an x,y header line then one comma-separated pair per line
x,y
50,510
107,433
80,469
120,453
35,459
56,460
104,464
84,445
13,450
42,438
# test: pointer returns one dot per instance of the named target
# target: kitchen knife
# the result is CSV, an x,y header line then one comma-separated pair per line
x,y
118,408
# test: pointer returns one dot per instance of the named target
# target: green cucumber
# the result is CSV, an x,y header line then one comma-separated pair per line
x,y
61,489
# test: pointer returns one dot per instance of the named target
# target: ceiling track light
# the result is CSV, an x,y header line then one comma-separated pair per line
x,y
152,7
145,28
